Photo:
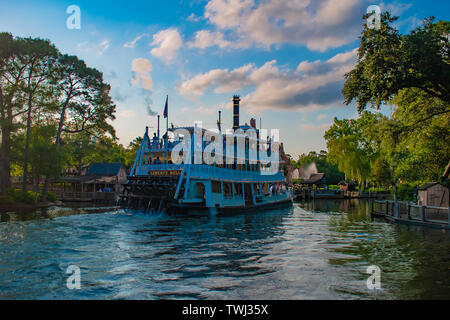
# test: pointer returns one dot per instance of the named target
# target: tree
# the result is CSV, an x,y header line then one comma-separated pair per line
x,y
11,103
37,60
414,144
389,62
84,105
321,159
350,149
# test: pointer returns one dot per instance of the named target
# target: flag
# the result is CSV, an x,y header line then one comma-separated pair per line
x,y
166,108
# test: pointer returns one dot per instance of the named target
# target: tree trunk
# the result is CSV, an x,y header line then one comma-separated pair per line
x,y
27,146
57,143
5,128
5,179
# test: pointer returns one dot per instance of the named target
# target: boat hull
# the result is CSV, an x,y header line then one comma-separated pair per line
x,y
199,209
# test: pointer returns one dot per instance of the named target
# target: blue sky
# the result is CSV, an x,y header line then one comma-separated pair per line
x,y
285,58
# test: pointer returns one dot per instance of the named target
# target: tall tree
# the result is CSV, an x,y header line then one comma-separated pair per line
x,y
37,58
389,62
11,102
85,104
350,149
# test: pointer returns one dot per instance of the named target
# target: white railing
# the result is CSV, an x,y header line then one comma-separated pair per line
x,y
202,171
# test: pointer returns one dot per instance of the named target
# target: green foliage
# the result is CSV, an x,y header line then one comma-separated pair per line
x,y
381,174
332,173
47,97
389,62
349,147
6,199
377,189
19,196
405,193
410,72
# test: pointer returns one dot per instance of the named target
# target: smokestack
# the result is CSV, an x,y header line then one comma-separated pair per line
x,y
236,112
253,123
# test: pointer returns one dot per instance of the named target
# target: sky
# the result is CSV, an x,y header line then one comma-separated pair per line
x,y
285,58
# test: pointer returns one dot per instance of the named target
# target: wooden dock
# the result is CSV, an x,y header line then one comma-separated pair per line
x,y
97,197
412,214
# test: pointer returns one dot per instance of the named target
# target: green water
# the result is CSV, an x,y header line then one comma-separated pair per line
x,y
314,250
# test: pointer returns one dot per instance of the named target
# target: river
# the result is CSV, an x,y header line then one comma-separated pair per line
x,y
314,250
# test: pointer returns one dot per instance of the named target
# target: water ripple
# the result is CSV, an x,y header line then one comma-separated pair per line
x,y
317,250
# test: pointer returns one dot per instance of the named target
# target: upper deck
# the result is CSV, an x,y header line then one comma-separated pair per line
x,y
232,161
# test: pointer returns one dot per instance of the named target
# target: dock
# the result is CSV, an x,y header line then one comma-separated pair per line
x,y
310,194
412,214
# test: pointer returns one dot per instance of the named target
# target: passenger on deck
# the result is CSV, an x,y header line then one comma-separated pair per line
x,y
157,161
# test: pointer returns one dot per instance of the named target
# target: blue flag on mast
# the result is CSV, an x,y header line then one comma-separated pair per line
x,y
166,108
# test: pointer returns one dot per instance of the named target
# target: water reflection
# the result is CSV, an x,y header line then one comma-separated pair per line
x,y
315,250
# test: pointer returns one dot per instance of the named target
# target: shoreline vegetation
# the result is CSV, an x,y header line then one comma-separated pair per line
x,y
410,74
55,114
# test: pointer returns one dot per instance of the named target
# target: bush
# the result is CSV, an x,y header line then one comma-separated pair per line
x,y
333,187
19,196
50,196
6,199
377,189
405,192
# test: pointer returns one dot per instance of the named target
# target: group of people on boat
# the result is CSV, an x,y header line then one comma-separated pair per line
x,y
277,188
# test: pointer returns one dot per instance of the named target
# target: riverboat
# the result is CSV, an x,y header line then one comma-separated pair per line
x,y
194,170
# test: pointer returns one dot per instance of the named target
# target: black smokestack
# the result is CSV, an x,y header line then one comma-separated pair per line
x,y
236,112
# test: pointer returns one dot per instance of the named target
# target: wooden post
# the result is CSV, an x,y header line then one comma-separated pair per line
x,y
448,215
408,207
371,207
396,209
422,213
387,208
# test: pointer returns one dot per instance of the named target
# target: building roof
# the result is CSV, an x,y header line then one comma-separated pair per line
x,y
104,169
90,179
428,185
350,183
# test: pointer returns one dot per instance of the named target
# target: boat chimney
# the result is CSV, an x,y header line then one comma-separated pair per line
x,y
253,123
236,112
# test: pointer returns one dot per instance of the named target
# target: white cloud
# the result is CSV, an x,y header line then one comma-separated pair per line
x,y
311,85
126,114
103,46
193,18
319,24
321,116
99,48
205,38
141,68
132,44
168,43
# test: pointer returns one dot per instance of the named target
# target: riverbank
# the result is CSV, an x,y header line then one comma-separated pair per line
x,y
43,210
20,207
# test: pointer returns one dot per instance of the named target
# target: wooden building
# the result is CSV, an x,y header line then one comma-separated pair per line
x,y
99,181
433,194
347,185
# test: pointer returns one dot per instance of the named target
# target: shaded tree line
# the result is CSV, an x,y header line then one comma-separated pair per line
x,y
55,112
411,74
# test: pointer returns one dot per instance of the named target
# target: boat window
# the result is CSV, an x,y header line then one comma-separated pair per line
x,y
216,187
227,189
238,189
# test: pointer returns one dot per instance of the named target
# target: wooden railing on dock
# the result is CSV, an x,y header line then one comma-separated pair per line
x,y
408,211
86,196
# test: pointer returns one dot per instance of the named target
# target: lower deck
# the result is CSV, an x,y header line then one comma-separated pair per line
x,y
175,194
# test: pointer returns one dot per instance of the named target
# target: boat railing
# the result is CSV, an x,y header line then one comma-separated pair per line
x,y
206,171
